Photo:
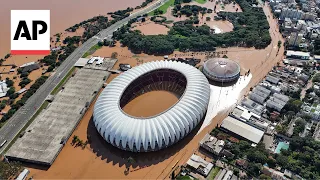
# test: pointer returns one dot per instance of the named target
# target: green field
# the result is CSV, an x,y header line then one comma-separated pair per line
x,y
164,7
91,50
213,172
201,1
57,88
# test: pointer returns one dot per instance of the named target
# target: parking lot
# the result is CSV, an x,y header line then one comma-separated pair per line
x,y
45,137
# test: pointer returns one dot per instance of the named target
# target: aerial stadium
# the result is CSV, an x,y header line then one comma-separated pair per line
x,y
221,70
143,134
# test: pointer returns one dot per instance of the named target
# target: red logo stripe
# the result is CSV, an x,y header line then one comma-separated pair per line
x,y
30,52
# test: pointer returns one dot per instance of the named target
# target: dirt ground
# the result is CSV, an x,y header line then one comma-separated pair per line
x,y
101,160
150,28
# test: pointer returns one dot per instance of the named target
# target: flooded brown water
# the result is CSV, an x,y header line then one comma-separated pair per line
x,y
64,13
150,104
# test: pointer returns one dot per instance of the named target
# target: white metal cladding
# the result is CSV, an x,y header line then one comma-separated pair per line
x,y
156,132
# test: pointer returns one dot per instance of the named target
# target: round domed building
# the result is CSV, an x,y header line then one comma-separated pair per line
x,y
221,70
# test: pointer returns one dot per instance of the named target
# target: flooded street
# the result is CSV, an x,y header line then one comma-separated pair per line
x,y
64,13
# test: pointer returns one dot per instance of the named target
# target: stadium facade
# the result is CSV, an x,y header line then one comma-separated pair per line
x,y
221,70
142,134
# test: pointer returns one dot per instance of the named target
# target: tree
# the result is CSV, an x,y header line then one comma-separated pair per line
x,y
2,106
9,82
257,157
9,171
254,169
265,177
279,44
7,56
114,55
75,139
208,18
11,91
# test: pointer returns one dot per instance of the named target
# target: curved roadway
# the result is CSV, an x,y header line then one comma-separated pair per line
x,y
24,114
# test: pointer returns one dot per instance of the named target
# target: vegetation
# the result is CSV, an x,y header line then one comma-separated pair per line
x,y
183,178
162,9
181,1
57,88
24,82
188,10
9,82
7,56
25,97
316,78
201,1
214,172
302,157
92,50
78,142
250,29
9,170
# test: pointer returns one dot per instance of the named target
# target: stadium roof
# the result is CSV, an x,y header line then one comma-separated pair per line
x,y
242,129
159,131
222,67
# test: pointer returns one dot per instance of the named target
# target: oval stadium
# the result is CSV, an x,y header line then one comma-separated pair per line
x,y
221,70
152,133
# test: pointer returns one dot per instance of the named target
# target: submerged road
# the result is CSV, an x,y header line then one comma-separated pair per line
x,y
25,113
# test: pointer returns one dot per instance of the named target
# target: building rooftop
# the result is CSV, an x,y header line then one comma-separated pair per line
x,y
272,79
81,62
200,164
46,135
298,53
222,67
242,129
253,106
212,144
3,88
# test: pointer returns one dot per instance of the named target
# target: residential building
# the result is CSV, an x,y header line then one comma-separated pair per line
x,y
212,144
3,88
277,101
296,39
200,165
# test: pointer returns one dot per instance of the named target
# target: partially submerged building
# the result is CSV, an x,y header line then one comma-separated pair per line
x,y
28,67
200,165
212,144
241,129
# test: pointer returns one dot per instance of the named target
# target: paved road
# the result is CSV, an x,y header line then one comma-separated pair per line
x,y
24,114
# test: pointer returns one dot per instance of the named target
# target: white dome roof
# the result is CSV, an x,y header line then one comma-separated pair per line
x,y
156,132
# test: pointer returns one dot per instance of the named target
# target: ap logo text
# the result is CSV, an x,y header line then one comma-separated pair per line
x,y
30,32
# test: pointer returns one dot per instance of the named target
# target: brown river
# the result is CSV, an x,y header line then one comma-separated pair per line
x,y
64,13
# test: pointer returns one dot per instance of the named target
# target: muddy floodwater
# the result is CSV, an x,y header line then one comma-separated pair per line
x,y
64,13
150,104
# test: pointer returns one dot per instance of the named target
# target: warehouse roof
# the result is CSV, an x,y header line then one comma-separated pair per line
x,y
242,129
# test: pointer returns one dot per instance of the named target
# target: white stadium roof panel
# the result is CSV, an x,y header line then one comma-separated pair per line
x,y
151,133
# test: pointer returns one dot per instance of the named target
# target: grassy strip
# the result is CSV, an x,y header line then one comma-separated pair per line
x,y
57,88
214,172
91,50
201,1
43,106
164,7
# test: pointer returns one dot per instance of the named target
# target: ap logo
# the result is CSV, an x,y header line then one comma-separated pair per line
x,y
30,32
